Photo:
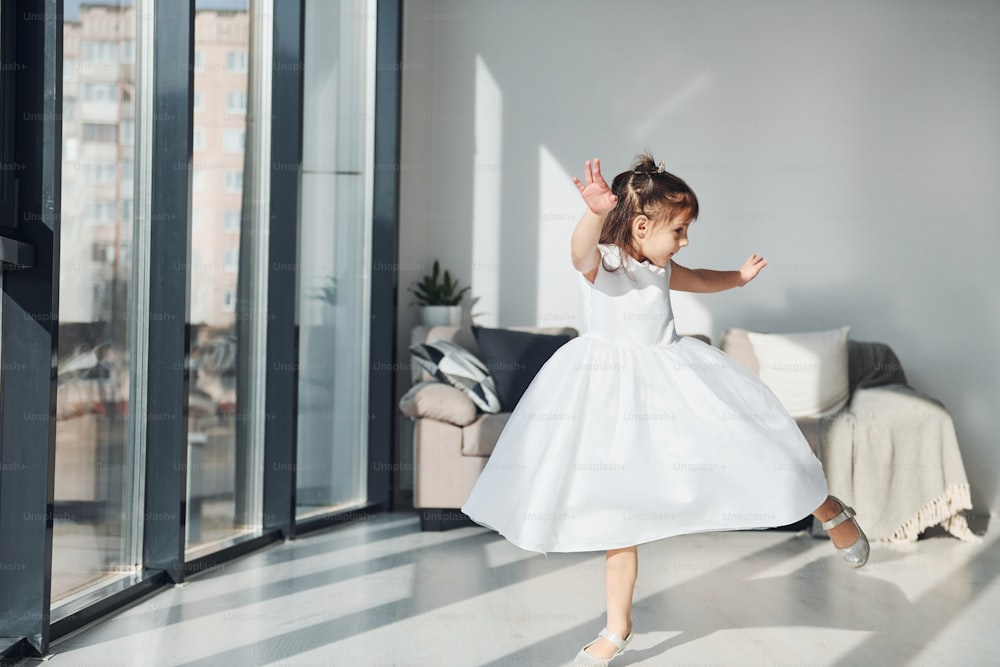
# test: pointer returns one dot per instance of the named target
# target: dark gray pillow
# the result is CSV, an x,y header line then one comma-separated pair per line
x,y
513,358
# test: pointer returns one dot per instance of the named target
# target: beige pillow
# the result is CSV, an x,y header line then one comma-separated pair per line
x,y
440,401
806,371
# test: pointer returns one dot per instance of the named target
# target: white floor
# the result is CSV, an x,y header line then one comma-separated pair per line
x,y
380,592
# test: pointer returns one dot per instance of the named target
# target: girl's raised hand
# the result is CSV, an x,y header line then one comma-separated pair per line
x,y
595,192
752,267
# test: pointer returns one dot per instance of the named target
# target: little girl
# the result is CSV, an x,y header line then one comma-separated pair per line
x,y
631,433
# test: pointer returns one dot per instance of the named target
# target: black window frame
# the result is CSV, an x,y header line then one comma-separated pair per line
x,y
8,93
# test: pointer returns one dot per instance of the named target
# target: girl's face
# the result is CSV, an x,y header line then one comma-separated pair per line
x,y
660,242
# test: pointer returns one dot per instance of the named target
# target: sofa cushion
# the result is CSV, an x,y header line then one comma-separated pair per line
x,y
806,371
514,358
440,401
460,368
480,437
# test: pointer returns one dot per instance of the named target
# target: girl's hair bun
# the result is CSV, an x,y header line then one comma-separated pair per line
x,y
647,188
645,164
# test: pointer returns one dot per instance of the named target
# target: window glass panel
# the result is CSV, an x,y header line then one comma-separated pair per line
x,y
334,216
90,529
217,466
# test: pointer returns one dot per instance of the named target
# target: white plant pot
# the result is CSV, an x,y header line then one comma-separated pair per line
x,y
441,316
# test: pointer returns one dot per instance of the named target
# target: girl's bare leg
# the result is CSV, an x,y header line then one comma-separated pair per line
x,y
843,535
622,568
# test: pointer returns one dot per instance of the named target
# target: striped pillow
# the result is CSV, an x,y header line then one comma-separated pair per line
x,y
455,365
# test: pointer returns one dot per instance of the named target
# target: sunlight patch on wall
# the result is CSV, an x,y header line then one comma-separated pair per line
x,y
558,298
486,183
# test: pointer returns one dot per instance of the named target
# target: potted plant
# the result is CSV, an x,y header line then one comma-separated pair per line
x,y
439,298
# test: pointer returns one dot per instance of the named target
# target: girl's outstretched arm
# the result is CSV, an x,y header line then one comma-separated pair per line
x,y
707,280
600,200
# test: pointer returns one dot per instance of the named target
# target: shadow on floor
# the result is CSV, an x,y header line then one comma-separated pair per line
x,y
732,596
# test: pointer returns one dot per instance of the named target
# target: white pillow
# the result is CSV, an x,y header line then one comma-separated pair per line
x,y
806,371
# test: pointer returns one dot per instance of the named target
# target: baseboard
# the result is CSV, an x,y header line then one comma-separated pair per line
x,y
438,519
402,500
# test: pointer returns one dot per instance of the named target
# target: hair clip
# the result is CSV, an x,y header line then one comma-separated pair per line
x,y
660,169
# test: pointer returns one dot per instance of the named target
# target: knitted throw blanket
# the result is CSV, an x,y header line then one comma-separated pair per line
x,y
893,455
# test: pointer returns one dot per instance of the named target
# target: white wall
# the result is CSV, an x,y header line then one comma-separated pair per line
x,y
853,144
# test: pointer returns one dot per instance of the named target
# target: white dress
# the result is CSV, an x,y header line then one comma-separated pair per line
x,y
630,433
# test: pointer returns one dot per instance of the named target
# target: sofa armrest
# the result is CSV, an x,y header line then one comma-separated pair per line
x,y
439,401
444,477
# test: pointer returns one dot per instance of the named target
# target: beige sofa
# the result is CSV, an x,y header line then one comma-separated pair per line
x,y
452,440
871,454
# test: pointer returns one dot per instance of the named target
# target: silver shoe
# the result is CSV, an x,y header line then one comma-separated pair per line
x,y
856,555
584,659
